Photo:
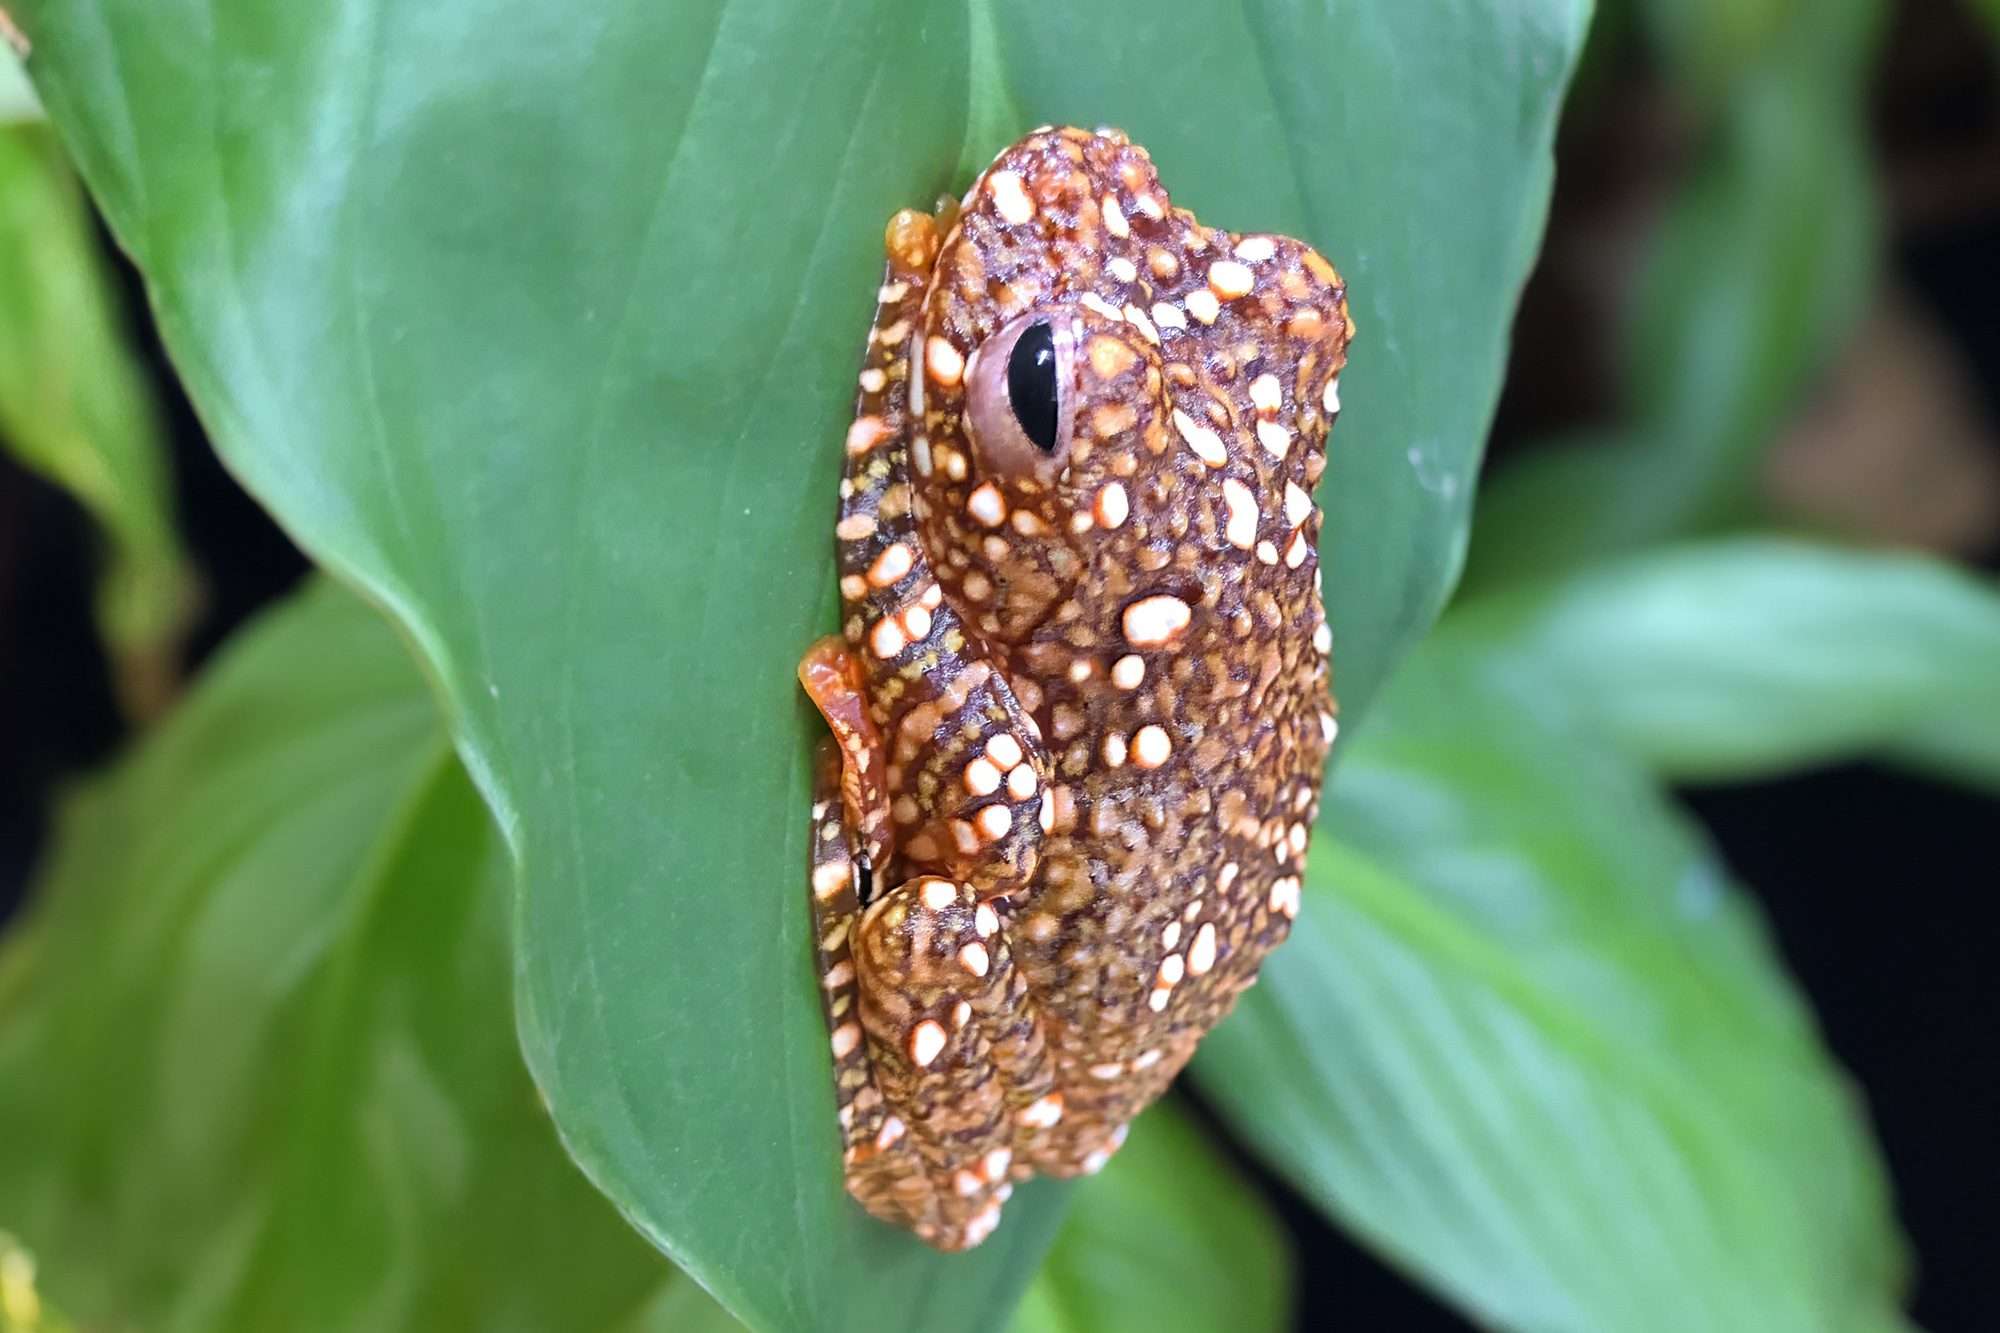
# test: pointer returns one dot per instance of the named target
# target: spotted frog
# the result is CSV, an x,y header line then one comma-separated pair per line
x,y
1080,704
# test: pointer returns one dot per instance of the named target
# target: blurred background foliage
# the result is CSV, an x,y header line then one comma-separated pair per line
x,y
1533,1046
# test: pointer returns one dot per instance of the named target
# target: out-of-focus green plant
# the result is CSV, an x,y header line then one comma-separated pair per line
x,y
1762,265
518,337
75,407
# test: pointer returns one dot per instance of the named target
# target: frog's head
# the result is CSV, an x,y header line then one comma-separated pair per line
x,y
1108,397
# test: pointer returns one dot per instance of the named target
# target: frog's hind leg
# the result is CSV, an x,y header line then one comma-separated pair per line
x,y
870,1132
958,1054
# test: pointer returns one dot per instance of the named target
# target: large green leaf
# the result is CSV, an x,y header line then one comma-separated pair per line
x,y
1529,1040
256,1064
540,324
1763,265
75,407
1742,658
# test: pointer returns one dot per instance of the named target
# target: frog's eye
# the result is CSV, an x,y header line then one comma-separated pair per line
x,y
1018,397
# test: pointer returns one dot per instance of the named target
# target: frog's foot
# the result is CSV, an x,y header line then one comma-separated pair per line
x,y
834,681
957,1057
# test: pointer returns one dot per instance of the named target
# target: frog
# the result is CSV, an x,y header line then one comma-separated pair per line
x,y
1080,703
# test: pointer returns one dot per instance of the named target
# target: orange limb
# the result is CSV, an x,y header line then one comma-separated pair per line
x,y
834,681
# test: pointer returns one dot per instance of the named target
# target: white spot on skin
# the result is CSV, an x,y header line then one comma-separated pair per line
x,y
1137,319
1043,1113
985,921
1122,269
1229,279
1157,1001
1285,895
1330,399
1207,445
838,975
937,894
1201,303
1021,782
981,777
1201,954
1241,528
1151,747
1297,837
1275,438
981,1226
967,1184
894,562
1168,316
1112,505
1004,750
1010,197
845,1038
994,1165
1266,394
993,822
873,380
1267,553
1128,671
1295,554
1107,1072
974,959
927,1041
890,293
1172,969
1256,249
1114,219
1100,1159
853,587
1153,622
886,639
943,362
1046,815
1227,877
1329,727
829,878
1145,1059
865,434
1323,639
1092,301
916,622
1170,938
986,505
920,454
1114,751
961,1014
1150,206
1298,505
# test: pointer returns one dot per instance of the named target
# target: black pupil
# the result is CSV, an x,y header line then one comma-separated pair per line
x,y
1031,384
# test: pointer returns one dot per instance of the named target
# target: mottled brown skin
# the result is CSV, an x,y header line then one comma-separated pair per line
x,y
1082,823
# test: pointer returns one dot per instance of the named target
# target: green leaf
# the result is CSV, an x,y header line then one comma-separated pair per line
x,y
1530,1042
541,327
1747,657
75,408
1763,266
256,1064
17,96
1169,1237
